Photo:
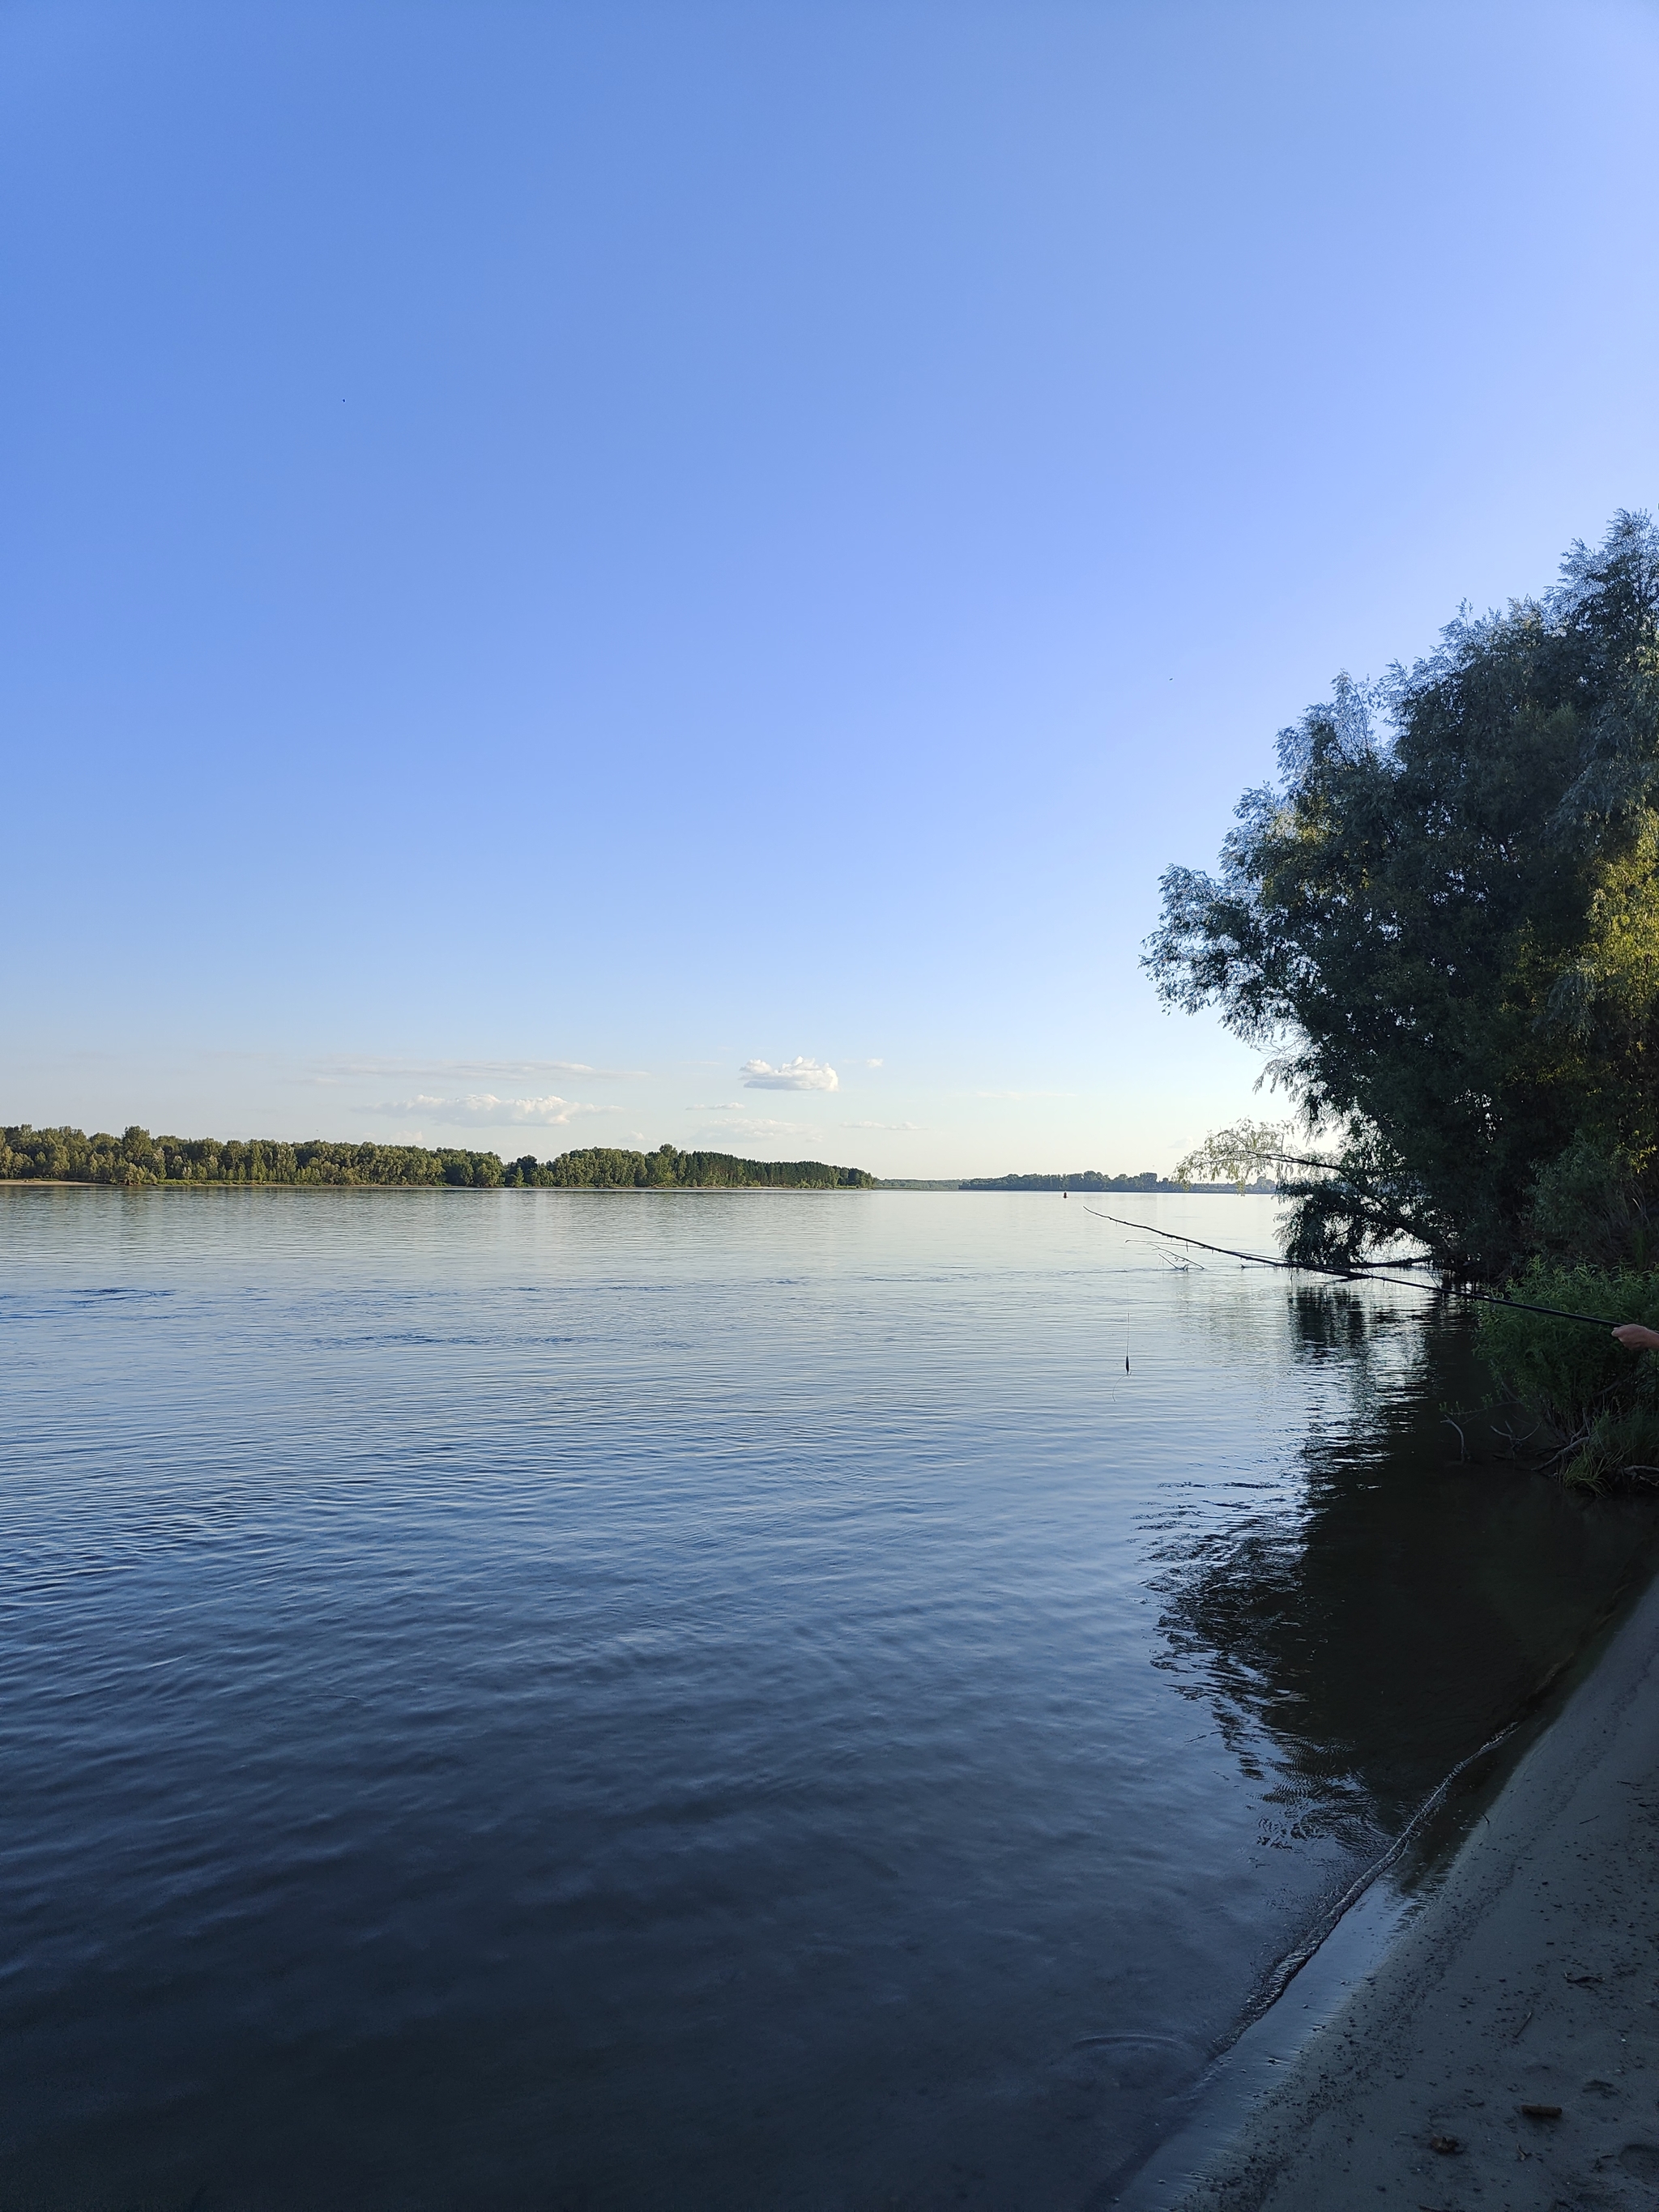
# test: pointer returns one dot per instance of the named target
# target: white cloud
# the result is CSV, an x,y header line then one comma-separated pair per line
x,y
751,1128
483,1110
522,1070
793,1075
875,1063
881,1125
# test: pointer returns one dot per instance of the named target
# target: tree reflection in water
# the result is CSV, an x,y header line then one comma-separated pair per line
x,y
1363,1628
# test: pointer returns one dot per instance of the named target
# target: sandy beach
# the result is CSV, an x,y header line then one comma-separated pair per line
x,y
1505,2053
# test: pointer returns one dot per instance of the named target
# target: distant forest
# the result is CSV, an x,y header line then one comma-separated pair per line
x,y
137,1159
601,1167
1091,1179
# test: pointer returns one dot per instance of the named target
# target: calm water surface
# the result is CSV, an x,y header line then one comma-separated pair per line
x,y
534,1698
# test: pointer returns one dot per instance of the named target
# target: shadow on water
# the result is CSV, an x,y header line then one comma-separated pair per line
x,y
1414,1597
1411,1601
1417,1598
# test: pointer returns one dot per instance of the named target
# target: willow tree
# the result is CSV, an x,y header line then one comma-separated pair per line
x,y
1441,924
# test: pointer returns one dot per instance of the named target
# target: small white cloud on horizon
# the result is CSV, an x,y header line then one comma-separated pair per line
x,y
797,1074
881,1125
341,1066
485,1111
752,1127
875,1063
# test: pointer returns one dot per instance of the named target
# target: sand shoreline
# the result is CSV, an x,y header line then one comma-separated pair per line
x,y
1528,1976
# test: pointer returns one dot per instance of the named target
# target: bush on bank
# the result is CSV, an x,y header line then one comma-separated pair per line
x,y
1578,1400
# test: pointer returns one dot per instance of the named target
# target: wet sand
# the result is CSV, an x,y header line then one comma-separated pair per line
x,y
1530,1977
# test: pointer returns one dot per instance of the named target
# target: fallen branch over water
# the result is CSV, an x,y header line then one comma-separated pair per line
x,y
1359,1275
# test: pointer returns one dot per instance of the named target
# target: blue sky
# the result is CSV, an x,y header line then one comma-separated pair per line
x,y
619,573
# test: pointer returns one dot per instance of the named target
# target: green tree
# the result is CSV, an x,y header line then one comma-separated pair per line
x,y
1442,923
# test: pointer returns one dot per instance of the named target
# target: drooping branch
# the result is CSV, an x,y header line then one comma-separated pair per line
x,y
1346,1206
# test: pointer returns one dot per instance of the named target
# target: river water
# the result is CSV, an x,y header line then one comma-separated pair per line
x,y
542,1698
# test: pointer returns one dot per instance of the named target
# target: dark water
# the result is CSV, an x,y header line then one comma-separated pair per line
x,y
538,1700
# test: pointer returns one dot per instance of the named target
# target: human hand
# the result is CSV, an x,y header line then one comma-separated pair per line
x,y
1635,1338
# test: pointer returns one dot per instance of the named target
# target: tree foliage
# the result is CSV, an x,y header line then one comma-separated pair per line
x,y
1442,923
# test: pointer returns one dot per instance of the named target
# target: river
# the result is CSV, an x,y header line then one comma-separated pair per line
x,y
560,1699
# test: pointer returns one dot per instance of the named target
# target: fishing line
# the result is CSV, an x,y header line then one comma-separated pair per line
x,y
1354,1275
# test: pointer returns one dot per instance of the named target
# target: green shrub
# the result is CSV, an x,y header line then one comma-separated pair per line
x,y
1592,1406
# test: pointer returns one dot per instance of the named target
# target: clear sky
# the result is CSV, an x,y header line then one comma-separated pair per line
x,y
558,554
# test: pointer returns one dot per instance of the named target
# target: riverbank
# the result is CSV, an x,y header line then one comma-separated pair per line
x,y
1529,1977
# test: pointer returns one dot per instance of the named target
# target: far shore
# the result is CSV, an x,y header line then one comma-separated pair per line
x,y
630,1189
460,1189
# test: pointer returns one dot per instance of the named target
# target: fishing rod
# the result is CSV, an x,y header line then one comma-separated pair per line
x,y
1351,1274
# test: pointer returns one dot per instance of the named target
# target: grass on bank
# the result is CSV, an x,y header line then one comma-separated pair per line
x,y
1586,1408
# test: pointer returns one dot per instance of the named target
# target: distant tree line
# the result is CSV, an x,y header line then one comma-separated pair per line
x,y
137,1159
603,1167
1091,1179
